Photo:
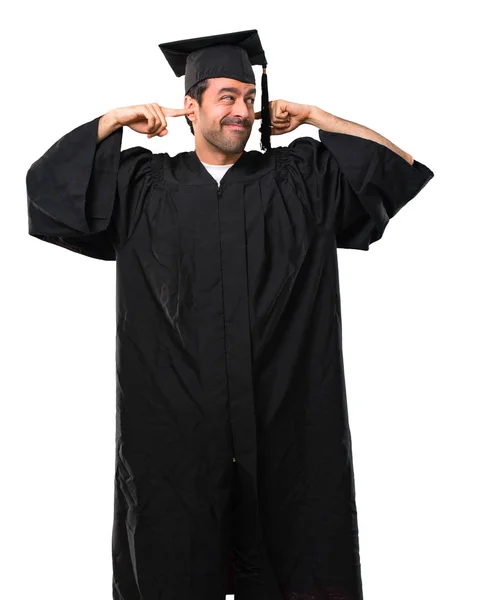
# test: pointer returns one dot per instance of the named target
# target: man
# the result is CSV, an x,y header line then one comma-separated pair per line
x,y
234,469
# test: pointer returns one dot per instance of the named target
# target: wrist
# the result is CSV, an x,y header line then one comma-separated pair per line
x,y
310,118
323,120
107,124
110,120
314,116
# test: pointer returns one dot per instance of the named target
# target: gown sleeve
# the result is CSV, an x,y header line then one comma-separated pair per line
x,y
353,185
87,196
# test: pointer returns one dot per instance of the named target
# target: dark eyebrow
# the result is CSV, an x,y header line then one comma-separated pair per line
x,y
235,90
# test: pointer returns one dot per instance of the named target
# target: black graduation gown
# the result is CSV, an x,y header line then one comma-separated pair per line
x,y
233,469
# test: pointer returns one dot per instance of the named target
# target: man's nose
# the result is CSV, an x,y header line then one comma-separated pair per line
x,y
241,110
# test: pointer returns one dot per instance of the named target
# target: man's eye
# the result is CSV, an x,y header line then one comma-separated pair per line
x,y
252,99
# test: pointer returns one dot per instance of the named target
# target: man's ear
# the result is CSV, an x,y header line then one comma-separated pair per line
x,y
189,104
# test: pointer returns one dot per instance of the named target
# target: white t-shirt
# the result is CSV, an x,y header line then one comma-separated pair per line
x,y
217,171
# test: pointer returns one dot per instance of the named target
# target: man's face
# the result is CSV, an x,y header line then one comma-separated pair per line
x,y
227,113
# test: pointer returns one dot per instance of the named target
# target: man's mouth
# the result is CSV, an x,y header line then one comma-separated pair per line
x,y
233,126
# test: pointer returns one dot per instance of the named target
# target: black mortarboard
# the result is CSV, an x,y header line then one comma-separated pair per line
x,y
226,55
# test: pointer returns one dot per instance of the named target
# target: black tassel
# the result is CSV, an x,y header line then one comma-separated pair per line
x,y
266,125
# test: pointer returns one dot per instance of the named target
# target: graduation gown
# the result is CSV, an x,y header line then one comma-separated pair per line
x,y
233,454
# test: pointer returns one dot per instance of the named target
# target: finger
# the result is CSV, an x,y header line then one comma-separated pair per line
x,y
149,117
158,120
258,115
280,125
281,117
156,123
177,112
276,130
161,117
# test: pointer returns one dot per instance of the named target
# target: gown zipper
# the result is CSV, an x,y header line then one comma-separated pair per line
x,y
218,198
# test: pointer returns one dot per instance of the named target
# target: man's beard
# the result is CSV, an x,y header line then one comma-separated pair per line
x,y
227,140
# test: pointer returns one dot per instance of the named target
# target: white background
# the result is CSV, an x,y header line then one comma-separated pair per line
x,y
418,308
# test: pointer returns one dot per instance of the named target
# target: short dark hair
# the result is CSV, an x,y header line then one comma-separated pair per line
x,y
196,92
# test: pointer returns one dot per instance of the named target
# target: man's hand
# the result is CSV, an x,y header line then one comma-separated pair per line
x,y
148,118
286,116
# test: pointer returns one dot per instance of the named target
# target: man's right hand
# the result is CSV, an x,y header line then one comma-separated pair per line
x,y
143,118
147,118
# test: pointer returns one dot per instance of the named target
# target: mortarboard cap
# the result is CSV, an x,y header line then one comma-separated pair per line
x,y
226,55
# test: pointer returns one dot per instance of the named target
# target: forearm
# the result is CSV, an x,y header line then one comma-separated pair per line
x,y
107,125
328,122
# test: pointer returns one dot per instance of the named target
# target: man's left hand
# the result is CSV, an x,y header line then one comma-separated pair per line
x,y
285,116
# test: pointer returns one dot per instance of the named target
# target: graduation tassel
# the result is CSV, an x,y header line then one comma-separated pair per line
x,y
266,125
